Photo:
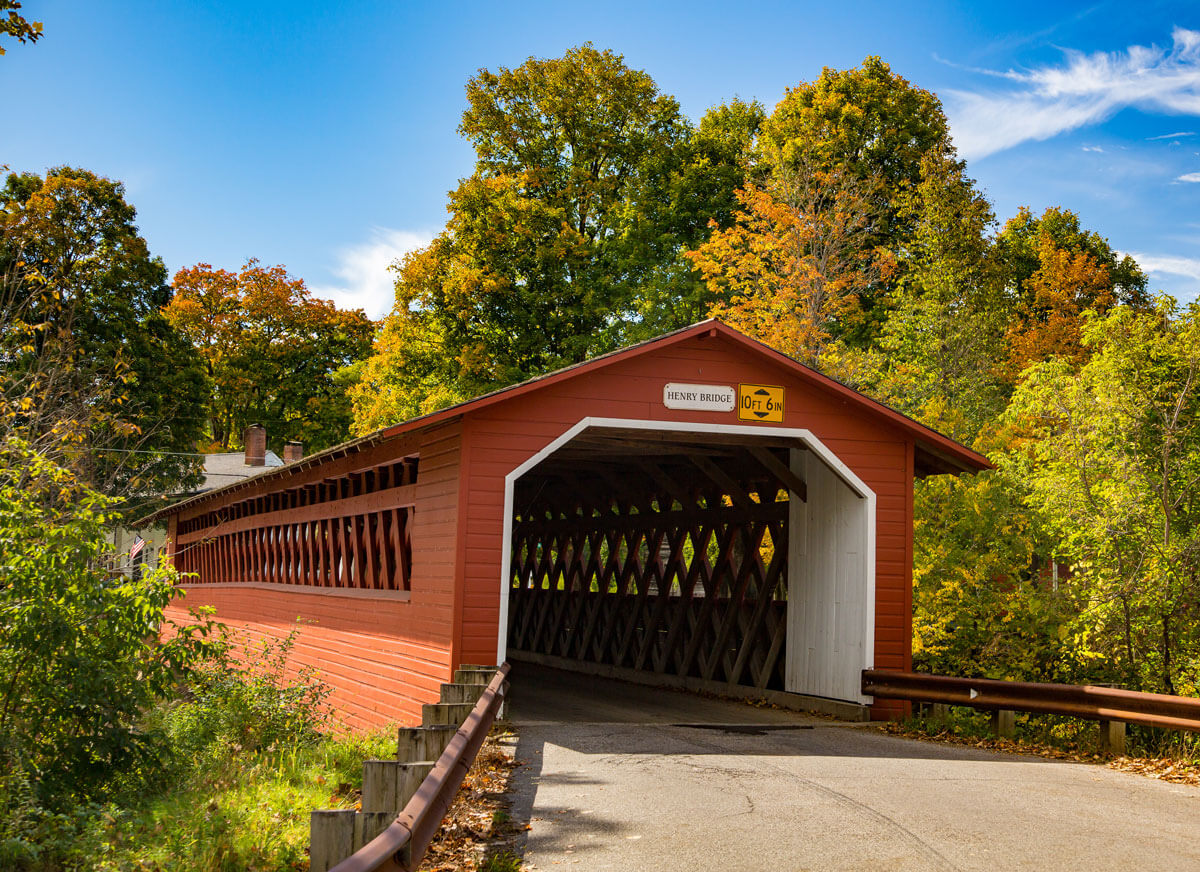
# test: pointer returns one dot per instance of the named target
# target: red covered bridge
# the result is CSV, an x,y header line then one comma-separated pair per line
x,y
698,510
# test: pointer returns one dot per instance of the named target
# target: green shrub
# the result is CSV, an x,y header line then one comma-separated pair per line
x,y
237,705
81,656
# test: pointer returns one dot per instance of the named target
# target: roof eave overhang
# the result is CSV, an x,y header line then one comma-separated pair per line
x,y
936,454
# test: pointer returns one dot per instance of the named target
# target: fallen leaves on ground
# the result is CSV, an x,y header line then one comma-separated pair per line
x,y
1161,768
478,823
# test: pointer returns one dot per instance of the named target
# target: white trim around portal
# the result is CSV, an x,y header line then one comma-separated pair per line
x,y
803,435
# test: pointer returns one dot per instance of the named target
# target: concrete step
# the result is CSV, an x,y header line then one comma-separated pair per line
x,y
462,692
423,743
453,713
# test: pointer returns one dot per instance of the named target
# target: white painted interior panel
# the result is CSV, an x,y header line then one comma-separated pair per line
x,y
830,584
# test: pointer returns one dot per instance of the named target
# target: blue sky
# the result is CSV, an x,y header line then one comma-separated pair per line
x,y
323,135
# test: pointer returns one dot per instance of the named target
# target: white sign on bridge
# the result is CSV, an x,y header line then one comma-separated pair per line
x,y
702,398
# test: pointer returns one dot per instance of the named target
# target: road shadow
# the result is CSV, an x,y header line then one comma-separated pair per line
x,y
594,715
553,826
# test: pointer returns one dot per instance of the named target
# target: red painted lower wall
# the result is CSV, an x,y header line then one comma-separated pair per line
x,y
382,657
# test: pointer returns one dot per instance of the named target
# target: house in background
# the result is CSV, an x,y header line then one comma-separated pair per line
x,y
219,470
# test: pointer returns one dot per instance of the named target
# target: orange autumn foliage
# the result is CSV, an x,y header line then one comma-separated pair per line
x,y
1066,284
795,260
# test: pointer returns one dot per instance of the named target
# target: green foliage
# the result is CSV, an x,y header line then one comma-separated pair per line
x,y
690,194
80,654
272,351
868,120
944,333
983,605
240,763
16,25
90,372
1112,459
246,704
566,241
564,147
868,151
1053,272
872,124
1017,248
248,762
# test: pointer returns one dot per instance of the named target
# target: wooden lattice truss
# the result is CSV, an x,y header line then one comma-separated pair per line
x,y
640,552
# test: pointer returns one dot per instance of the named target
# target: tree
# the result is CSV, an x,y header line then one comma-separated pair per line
x,y
16,25
790,264
272,351
562,145
867,121
411,370
678,210
90,372
982,603
1113,466
870,124
946,325
81,654
567,239
1055,271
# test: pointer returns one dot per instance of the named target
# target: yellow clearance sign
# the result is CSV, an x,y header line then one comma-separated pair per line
x,y
760,403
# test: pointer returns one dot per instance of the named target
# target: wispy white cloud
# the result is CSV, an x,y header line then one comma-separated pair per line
x,y
366,282
1179,135
1189,177
1094,148
1087,89
1188,267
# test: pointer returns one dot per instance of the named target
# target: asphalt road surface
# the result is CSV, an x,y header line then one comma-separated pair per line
x,y
623,777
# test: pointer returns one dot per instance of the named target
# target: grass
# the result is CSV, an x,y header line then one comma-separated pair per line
x,y
251,813
243,756
503,862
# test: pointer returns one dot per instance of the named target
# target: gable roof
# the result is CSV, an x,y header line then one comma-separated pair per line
x,y
935,453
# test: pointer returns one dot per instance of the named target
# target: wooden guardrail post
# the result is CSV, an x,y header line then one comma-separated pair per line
x,y
403,841
332,837
388,785
1112,737
466,674
934,712
1004,723
460,692
455,713
414,744
369,824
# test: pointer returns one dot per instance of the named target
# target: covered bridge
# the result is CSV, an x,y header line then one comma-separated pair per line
x,y
697,510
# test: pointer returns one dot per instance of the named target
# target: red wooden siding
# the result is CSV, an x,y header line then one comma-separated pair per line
x,y
502,436
387,643
384,652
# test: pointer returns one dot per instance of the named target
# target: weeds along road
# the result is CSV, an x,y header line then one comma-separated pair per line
x,y
627,778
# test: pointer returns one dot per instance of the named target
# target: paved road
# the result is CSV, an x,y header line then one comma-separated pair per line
x,y
620,777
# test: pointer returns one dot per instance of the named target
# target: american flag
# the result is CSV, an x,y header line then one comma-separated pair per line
x,y
138,544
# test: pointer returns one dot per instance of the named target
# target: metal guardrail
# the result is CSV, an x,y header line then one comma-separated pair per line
x,y
402,845
1081,701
